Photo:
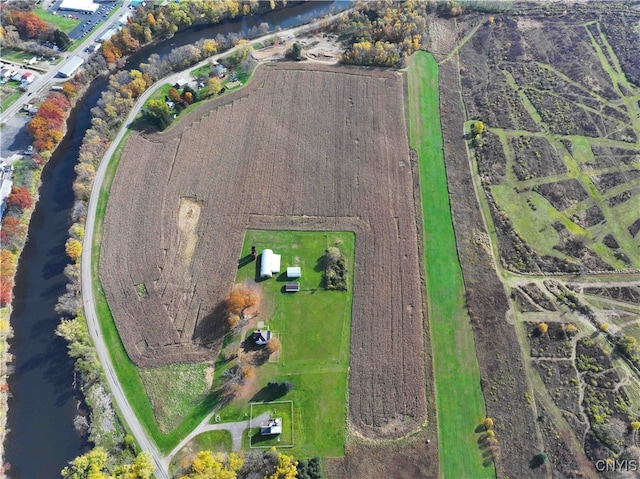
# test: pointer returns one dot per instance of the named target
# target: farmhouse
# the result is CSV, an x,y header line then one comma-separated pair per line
x,y
261,337
269,263
271,427
70,67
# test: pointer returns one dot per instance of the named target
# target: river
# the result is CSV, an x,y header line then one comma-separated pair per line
x,y
41,438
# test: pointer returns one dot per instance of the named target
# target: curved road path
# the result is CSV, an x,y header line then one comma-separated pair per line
x,y
160,462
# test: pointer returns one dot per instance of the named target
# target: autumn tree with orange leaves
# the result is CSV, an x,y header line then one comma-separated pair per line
x,y
241,298
19,198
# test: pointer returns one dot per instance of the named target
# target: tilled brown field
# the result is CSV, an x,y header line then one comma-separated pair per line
x,y
302,147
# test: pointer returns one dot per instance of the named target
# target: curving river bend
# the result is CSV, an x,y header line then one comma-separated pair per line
x,y
41,438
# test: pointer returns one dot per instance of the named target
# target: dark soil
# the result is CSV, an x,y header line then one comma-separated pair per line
x,y
630,294
634,228
535,158
624,196
622,31
561,380
589,217
554,343
539,297
608,156
492,162
524,302
562,194
610,241
407,459
562,461
611,180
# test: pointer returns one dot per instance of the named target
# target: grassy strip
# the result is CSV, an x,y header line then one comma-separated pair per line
x,y
58,21
215,441
460,403
10,99
16,56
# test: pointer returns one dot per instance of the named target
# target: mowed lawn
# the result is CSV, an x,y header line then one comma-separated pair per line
x,y
460,403
58,21
313,326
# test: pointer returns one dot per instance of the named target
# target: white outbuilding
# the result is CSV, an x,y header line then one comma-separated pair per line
x,y
269,263
293,272
84,6
70,67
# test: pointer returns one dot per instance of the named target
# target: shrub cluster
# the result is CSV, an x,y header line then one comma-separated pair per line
x,y
335,269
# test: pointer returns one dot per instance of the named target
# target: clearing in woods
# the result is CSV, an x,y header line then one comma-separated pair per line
x,y
460,403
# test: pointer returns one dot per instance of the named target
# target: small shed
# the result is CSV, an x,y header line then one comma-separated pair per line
x,y
269,263
261,337
294,272
272,427
293,287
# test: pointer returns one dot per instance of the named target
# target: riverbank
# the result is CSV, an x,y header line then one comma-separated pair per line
x,y
33,183
5,360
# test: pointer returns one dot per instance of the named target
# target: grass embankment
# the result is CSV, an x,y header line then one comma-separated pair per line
x,y
313,326
460,403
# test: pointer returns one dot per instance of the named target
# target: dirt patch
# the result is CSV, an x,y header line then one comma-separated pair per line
x,y
303,146
208,377
407,459
188,216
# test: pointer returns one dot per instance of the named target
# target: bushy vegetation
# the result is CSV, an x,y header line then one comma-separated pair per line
x,y
268,464
95,464
382,33
335,269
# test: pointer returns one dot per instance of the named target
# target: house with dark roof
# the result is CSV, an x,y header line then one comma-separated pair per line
x,y
261,337
272,427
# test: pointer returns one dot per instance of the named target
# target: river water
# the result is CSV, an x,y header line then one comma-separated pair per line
x,y
41,438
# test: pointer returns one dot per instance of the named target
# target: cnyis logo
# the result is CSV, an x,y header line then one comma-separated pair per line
x,y
617,465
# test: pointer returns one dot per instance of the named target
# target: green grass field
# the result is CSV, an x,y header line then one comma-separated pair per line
x,y
58,21
460,404
278,409
17,56
313,326
203,70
